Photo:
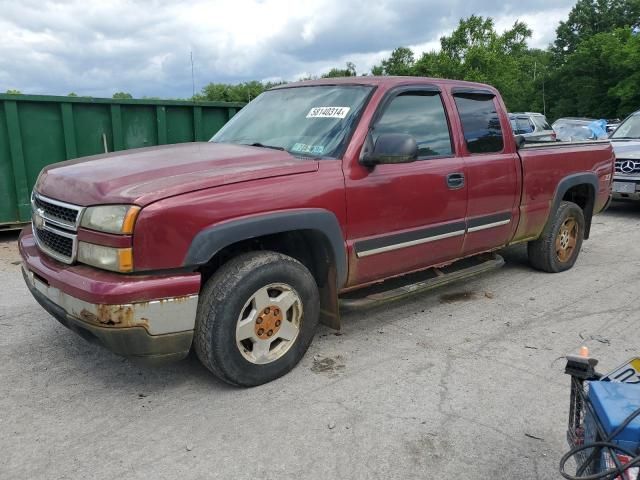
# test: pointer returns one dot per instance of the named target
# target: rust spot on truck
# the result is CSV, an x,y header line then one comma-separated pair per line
x,y
113,316
143,322
88,316
123,316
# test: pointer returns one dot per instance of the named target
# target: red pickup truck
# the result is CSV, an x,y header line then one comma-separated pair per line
x,y
241,245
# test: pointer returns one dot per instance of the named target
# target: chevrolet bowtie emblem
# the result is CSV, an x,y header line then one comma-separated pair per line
x,y
38,219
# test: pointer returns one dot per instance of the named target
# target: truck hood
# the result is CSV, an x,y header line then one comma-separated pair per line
x,y
626,149
145,175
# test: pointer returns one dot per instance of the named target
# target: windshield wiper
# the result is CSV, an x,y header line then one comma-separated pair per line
x,y
625,138
262,145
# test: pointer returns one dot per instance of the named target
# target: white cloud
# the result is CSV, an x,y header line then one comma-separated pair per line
x,y
98,48
543,24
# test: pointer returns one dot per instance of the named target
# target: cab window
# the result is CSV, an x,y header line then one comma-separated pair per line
x,y
420,115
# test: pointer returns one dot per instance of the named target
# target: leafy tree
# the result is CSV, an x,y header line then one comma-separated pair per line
x,y
350,71
600,78
12,91
243,92
595,70
590,17
475,51
377,70
72,94
400,62
592,69
122,96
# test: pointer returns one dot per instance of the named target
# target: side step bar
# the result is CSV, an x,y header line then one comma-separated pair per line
x,y
401,287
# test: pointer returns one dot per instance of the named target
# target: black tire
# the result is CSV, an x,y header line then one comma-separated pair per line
x,y
543,254
221,302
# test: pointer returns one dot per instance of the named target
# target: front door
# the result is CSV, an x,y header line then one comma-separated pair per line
x,y
404,217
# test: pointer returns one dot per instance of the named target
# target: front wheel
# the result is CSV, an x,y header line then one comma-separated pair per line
x,y
559,245
256,318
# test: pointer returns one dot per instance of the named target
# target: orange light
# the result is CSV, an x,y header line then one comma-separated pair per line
x,y
130,219
584,351
125,259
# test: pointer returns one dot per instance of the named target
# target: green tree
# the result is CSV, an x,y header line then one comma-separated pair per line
x,y
595,66
475,51
590,17
12,91
400,62
349,71
242,92
122,96
72,94
600,78
377,70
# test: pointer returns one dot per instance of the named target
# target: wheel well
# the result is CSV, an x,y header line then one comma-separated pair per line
x,y
309,247
582,195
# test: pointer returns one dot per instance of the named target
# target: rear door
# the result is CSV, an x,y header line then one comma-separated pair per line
x,y
407,216
492,171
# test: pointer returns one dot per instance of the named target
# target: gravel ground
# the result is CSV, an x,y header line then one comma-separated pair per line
x,y
462,382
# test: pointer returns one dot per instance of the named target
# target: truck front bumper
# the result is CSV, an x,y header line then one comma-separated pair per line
x,y
130,315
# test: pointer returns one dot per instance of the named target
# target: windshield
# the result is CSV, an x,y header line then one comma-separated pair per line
x,y
310,121
630,128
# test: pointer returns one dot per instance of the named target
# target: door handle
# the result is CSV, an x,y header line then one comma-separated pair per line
x,y
455,181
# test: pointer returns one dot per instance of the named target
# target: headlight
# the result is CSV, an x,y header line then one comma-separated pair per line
x,y
108,258
110,218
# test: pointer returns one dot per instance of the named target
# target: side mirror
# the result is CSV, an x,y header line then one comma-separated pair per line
x,y
520,141
390,148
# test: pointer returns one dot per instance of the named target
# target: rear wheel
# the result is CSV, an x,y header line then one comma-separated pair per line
x,y
256,318
558,248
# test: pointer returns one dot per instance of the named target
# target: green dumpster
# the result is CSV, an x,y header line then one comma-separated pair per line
x,y
39,130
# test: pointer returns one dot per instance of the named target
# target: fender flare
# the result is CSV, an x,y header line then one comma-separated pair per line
x,y
209,241
585,178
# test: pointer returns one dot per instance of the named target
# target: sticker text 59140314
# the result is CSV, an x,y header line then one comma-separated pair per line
x,y
304,148
328,112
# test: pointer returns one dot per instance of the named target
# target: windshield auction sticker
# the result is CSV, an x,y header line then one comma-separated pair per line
x,y
304,148
328,112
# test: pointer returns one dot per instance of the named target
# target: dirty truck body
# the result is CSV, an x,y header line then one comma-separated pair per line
x,y
238,247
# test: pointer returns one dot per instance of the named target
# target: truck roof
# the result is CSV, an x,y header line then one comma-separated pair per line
x,y
385,81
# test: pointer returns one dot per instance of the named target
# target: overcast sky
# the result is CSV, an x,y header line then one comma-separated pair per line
x,y
97,48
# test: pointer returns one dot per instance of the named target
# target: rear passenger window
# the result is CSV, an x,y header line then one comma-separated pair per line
x,y
480,123
525,126
420,115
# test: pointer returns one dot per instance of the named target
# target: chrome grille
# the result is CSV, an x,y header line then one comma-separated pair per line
x,y
628,167
61,245
57,211
55,224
